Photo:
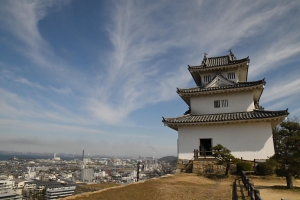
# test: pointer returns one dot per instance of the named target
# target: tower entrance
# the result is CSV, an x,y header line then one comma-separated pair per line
x,y
205,145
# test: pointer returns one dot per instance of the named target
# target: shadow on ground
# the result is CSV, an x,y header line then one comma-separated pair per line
x,y
275,187
215,176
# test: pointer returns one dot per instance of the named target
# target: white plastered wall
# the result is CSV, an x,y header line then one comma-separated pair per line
x,y
237,102
248,140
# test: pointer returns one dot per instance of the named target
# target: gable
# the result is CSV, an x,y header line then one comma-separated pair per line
x,y
219,81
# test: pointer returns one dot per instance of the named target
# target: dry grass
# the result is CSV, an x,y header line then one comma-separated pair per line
x,y
180,186
102,186
275,188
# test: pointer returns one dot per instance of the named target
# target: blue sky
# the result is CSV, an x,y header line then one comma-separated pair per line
x,y
99,75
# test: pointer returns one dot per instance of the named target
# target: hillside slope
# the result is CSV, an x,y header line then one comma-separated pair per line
x,y
179,186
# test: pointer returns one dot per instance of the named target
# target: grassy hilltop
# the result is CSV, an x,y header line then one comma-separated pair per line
x,y
179,186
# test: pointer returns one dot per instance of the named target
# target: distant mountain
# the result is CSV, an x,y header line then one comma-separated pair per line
x,y
168,159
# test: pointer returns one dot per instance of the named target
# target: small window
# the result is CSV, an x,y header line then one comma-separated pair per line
x,y
217,104
221,103
224,103
231,75
207,78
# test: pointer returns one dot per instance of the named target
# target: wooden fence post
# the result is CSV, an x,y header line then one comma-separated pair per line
x,y
257,194
253,193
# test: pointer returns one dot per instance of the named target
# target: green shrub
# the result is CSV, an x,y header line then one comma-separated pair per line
x,y
280,172
265,169
243,166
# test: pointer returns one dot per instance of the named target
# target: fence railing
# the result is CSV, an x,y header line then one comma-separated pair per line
x,y
252,192
203,153
254,162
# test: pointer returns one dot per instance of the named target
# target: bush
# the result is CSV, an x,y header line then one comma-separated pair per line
x,y
243,166
280,172
264,169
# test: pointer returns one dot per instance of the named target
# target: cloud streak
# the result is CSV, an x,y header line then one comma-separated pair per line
x,y
148,46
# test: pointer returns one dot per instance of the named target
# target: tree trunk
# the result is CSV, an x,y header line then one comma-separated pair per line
x,y
289,180
227,168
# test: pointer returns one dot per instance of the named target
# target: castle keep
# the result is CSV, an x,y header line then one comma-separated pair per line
x,y
224,109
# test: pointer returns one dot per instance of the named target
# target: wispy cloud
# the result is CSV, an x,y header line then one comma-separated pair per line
x,y
148,46
132,82
8,75
287,89
150,50
14,106
277,54
283,93
21,19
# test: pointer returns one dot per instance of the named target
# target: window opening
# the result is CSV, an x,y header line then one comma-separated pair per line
x,y
221,103
217,104
231,75
224,103
207,78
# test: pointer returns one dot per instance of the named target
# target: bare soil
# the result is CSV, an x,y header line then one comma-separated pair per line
x,y
179,186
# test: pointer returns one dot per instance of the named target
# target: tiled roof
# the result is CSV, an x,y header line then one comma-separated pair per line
x,y
218,61
236,85
222,117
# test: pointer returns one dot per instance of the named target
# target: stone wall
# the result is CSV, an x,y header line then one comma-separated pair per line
x,y
184,165
200,166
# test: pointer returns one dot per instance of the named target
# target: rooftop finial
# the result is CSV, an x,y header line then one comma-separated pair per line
x,y
204,59
231,57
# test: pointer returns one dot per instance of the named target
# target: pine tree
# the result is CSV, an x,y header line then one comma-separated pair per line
x,y
287,149
223,155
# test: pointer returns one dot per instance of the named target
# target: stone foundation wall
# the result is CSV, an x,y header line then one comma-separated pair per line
x,y
184,166
200,166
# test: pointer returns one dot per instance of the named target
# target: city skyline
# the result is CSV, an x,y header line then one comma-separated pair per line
x,y
99,75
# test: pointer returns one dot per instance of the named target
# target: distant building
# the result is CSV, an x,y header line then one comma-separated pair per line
x,y
224,109
53,189
58,192
87,175
6,192
56,157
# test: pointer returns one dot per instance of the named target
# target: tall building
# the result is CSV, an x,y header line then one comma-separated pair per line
x,y
87,174
224,109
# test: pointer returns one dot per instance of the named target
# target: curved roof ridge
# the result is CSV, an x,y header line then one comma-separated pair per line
x,y
251,82
218,57
271,111
217,64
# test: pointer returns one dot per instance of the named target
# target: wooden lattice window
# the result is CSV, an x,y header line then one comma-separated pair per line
x,y
207,78
217,104
221,103
231,75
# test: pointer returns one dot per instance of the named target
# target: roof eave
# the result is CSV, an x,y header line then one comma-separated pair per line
x,y
188,94
214,68
173,125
